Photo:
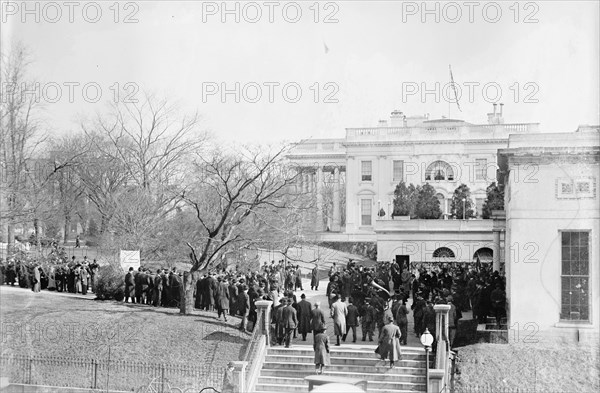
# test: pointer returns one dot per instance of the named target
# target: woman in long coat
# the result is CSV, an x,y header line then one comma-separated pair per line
x,y
389,342
321,347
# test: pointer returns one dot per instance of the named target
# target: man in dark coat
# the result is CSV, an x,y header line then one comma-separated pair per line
x,y
158,288
317,319
244,307
351,321
368,321
314,278
304,309
278,319
166,294
289,321
222,299
175,283
140,280
418,308
233,295
149,293
129,286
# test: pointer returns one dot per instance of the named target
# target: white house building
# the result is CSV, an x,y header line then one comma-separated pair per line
x,y
362,170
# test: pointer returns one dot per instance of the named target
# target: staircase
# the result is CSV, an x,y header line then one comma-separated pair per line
x,y
284,369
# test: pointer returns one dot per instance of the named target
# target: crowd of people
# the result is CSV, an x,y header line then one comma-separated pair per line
x,y
74,276
359,297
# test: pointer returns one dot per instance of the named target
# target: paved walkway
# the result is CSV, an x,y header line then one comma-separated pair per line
x,y
320,295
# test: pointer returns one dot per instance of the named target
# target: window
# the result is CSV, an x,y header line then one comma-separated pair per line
x,y
443,252
398,170
575,259
366,171
439,170
481,169
365,212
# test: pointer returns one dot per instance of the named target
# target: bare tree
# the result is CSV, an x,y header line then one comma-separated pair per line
x,y
20,139
150,145
228,190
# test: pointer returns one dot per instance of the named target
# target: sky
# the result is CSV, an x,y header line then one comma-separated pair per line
x,y
310,69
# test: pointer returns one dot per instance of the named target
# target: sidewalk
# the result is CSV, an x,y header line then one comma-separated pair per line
x,y
320,296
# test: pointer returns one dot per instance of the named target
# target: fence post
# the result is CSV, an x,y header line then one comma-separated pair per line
x,y
162,378
94,373
29,380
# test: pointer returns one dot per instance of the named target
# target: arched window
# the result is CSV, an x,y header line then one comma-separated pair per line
x,y
439,170
485,254
443,252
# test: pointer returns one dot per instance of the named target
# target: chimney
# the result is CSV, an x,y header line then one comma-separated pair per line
x,y
495,109
397,119
500,119
383,123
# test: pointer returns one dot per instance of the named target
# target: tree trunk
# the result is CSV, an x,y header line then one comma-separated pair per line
x,y
36,228
67,229
186,306
10,230
103,224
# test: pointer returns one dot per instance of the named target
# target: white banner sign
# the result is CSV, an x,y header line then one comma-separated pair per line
x,y
130,259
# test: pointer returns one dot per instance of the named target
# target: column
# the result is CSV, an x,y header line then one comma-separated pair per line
x,y
237,376
496,251
311,182
441,320
263,310
337,217
319,189
304,178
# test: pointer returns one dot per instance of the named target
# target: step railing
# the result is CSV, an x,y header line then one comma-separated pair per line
x,y
245,373
439,375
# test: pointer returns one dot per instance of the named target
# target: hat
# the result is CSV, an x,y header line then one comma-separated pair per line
x,y
303,296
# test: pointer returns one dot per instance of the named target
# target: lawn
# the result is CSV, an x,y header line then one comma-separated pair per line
x,y
136,337
528,367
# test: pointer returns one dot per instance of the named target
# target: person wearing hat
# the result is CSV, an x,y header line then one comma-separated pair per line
x,y
367,320
222,299
317,319
289,321
351,320
304,308
402,321
339,310
389,342
321,348
129,286
278,320
243,306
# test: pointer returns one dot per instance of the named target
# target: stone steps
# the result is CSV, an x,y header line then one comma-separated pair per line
x,y
284,369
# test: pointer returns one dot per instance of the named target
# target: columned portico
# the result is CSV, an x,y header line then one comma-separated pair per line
x,y
337,216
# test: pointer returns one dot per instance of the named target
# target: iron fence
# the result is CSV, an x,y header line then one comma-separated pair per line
x,y
110,375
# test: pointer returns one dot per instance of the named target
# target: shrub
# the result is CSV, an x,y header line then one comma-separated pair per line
x,y
110,284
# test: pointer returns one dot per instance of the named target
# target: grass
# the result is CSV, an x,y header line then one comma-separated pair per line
x,y
63,325
528,367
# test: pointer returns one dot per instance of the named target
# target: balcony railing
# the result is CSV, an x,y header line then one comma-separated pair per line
x,y
474,131
473,225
